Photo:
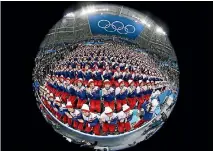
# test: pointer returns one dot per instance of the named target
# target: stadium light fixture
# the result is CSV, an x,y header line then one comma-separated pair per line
x,y
143,21
83,12
91,9
88,10
70,15
160,30
148,25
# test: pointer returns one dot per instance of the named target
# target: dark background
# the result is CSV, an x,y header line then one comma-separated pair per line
x,y
24,25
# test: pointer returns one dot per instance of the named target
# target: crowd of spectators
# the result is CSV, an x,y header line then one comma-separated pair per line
x,y
104,89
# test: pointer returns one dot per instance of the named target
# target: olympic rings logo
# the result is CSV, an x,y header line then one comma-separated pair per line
x,y
116,26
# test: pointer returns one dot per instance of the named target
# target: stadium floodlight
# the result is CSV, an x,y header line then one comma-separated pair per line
x,y
88,10
70,15
105,9
160,30
91,9
143,21
148,25
83,12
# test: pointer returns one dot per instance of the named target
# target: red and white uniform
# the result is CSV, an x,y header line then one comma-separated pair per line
x,y
123,124
108,96
73,120
107,74
92,123
81,94
95,99
109,123
117,75
87,75
127,75
64,95
72,96
57,92
121,96
131,95
134,75
97,77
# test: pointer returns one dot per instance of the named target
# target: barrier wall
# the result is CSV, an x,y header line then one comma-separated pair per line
x,y
112,141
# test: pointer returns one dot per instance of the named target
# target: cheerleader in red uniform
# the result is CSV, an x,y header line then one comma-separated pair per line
x,y
73,116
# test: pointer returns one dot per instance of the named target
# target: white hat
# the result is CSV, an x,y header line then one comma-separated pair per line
x,y
69,105
57,99
117,67
140,81
130,81
108,110
90,81
80,80
125,108
155,102
63,106
120,80
85,107
51,95
156,93
107,82
147,81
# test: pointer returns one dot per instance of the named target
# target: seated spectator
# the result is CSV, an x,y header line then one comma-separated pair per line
x,y
80,92
108,95
109,121
87,74
131,94
148,108
124,117
135,117
129,77
107,74
90,120
93,94
117,75
59,110
121,95
73,116
97,76
79,73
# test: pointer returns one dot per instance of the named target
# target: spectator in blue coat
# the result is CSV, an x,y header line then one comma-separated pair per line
x,y
148,109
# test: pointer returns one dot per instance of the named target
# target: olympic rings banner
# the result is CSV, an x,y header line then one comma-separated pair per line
x,y
114,25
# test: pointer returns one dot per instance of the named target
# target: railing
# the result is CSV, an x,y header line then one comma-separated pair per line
x,y
110,140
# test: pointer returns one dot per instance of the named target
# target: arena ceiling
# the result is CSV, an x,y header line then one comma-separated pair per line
x,y
74,27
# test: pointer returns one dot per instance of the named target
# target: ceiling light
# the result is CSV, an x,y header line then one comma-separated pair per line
x,y
70,15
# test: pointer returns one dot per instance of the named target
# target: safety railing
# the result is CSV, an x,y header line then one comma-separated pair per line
x,y
89,137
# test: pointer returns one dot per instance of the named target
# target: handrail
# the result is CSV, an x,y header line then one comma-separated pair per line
x,y
95,136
